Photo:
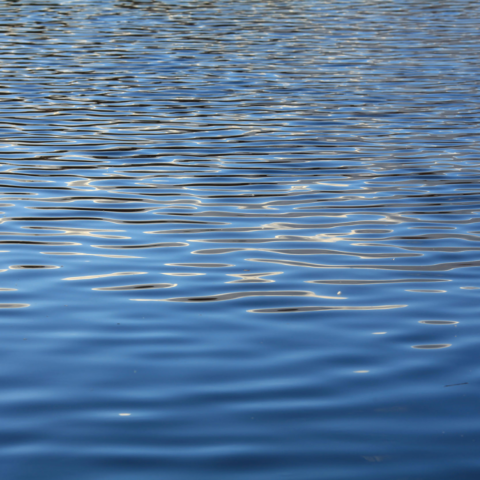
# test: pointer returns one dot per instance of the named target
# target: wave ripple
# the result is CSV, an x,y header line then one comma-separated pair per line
x,y
172,171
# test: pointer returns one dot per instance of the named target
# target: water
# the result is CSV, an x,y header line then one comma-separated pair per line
x,y
240,240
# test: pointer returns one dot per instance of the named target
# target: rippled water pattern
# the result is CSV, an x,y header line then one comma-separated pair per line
x,y
240,240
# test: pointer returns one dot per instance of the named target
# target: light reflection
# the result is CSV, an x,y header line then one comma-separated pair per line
x,y
14,305
253,277
90,254
117,274
182,274
148,245
237,295
200,265
426,291
121,288
376,281
321,309
28,267
441,267
438,322
432,346
78,232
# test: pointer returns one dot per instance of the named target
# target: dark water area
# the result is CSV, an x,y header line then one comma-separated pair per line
x,y
239,240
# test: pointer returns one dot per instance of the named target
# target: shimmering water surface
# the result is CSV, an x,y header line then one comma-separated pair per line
x,y
240,240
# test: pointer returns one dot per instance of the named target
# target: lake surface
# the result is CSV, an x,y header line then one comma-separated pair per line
x,y
240,240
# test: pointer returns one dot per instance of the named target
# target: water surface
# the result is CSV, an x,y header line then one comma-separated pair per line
x,y
239,240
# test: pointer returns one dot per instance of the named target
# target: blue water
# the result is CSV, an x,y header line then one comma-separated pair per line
x,y
239,240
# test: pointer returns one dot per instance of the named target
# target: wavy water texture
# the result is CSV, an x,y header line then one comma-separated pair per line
x,y
237,238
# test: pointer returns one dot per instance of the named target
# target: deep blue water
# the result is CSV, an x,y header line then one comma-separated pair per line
x,y
240,240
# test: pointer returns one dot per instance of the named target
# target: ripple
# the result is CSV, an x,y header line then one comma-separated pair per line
x,y
236,295
377,282
438,322
233,154
136,287
445,267
200,265
30,267
14,305
433,346
182,274
104,275
424,290
89,254
321,309
151,245
253,277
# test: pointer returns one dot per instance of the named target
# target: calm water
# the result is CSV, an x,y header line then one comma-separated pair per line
x,y
240,240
